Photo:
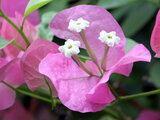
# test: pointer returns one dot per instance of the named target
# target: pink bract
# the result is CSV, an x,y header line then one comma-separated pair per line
x,y
11,73
99,19
76,89
31,59
72,83
9,32
11,6
149,115
155,38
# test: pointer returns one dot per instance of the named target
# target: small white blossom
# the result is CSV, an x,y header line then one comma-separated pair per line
x,y
78,25
109,38
70,48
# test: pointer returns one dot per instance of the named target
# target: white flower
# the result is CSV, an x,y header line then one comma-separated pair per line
x,y
109,38
78,25
70,48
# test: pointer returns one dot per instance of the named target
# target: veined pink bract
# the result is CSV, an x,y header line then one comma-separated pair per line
x,y
30,62
10,68
155,38
11,6
9,32
77,89
11,73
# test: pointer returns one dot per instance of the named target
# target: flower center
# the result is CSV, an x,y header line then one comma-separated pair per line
x,y
70,48
78,25
109,38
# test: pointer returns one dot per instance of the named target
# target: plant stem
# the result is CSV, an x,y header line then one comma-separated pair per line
x,y
113,91
18,45
15,26
22,24
50,90
27,93
90,50
124,98
140,95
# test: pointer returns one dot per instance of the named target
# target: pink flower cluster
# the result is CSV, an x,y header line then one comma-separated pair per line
x,y
79,86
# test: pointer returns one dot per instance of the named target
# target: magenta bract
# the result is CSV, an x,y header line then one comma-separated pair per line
x,y
155,38
76,89
9,32
149,115
11,73
11,6
31,59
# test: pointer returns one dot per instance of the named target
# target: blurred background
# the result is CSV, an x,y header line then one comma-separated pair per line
x,y
137,19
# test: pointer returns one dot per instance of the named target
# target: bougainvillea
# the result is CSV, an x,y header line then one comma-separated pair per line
x,y
155,38
84,64
88,80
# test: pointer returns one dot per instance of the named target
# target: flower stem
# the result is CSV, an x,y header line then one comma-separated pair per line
x,y
90,51
140,95
113,91
104,59
50,90
82,65
124,98
15,26
27,93
18,45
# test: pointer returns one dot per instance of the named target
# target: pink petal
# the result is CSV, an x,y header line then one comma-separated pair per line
x,y
7,97
124,65
9,33
149,115
99,19
1,22
12,6
72,94
12,73
101,93
93,67
57,66
124,69
155,38
71,83
138,53
3,62
31,59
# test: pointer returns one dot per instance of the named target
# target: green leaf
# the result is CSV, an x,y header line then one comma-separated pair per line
x,y
119,13
33,5
137,16
45,33
129,44
43,30
47,17
154,74
4,42
109,4
54,6
83,55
